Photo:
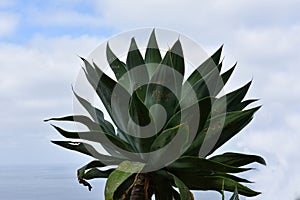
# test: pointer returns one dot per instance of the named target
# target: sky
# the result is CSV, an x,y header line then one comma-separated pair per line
x,y
40,42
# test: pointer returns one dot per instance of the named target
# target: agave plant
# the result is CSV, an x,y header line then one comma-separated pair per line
x,y
136,163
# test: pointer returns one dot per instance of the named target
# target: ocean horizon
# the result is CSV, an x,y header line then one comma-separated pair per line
x,y
55,181
45,182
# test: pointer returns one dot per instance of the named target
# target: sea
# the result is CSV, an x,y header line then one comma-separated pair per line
x,y
56,182
45,182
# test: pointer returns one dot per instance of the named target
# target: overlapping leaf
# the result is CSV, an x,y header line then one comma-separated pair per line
x,y
124,171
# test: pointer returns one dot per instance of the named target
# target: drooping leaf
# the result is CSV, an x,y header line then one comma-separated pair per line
x,y
215,183
88,150
78,118
97,173
232,177
92,164
185,193
238,159
201,166
107,140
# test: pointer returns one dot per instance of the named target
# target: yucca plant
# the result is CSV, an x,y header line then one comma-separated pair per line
x,y
162,151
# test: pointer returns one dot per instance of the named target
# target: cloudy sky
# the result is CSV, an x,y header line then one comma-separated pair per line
x,y
40,42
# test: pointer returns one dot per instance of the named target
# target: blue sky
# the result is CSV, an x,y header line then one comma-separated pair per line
x,y
40,41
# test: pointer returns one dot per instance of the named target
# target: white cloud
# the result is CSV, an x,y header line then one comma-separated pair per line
x,y
263,36
35,84
8,23
280,149
61,17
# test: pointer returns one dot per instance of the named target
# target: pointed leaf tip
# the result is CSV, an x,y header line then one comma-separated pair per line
x,y
217,55
133,44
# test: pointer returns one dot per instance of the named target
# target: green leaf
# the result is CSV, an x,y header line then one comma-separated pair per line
x,y
78,118
152,55
178,58
176,195
162,188
244,104
96,114
121,174
234,99
226,75
99,137
217,55
169,144
215,183
202,87
88,150
140,118
235,195
177,62
222,191
138,111
234,123
124,190
134,57
164,88
97,173
90,171
224,79
92,164
193,121
206,67
185,193
204,106
94,127
118,67
110,93
232,177
202,166
168,135
90,73
163,96
238,159
136,68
